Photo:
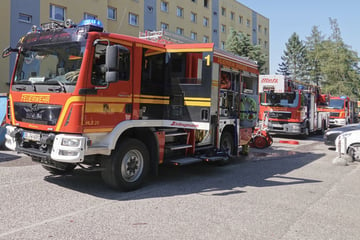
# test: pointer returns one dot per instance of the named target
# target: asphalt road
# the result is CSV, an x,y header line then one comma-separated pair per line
x,y
287,191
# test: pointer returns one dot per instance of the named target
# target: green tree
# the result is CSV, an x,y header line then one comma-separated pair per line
x,y
314,50
294,59
240,44
339,67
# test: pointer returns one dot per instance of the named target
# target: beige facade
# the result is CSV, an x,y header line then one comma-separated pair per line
x,y
5,41
201,20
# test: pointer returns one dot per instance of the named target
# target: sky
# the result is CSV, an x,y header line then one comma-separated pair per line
x,y
299,16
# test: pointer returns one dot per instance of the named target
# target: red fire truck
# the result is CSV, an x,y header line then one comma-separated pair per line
x,y
124,105
291,106
342,111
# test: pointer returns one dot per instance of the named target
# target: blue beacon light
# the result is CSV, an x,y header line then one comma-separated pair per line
x,y
91,25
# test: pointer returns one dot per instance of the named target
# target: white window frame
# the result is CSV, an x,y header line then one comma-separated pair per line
x,y
23,17
53,12
205,22
133,19
180,12
180,31
90,16
193,17
164,6
114,12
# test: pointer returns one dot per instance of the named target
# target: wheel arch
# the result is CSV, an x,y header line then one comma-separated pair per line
x,y
148,137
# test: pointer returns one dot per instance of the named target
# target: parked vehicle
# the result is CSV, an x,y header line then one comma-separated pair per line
x,y
124,105
348,143
291,106
332,133
343,111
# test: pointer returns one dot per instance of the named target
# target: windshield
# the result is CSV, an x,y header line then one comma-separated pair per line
x,y
336,103
43,64
279,99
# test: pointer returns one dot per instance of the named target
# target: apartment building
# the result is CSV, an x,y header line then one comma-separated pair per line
x,y
199,20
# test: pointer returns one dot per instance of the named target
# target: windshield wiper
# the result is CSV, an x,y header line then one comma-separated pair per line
x,y
27,82
62,86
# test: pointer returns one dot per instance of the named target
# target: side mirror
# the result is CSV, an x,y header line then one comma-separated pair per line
x,y
112,62
7,51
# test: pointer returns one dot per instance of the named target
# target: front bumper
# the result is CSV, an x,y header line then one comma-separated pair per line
x,y
66,148
337,122
286,128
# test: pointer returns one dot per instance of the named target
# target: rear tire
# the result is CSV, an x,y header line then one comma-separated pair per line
x,y
128,165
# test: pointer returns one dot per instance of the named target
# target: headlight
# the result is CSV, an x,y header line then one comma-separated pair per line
x,y
69,142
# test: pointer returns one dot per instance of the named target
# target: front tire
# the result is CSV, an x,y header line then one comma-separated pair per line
x,y
127,166
354,152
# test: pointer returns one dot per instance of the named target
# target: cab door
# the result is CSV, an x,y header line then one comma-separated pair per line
x,y
109,103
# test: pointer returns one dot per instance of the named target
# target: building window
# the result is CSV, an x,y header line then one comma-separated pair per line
x,y
179,12
57,13
133,19
265,44
89,16
193,17
247,22
265,31
232,14
193,35
222,45
223,28
241,19
223,11
194,1
164,6
180,31
205,39
25,18
206,3
111,13
164,26
205,22
259,41
259,28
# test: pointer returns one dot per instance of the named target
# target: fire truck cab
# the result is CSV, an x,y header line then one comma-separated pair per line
x,y
291,107
123,105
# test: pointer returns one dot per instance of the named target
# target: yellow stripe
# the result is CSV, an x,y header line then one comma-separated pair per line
x,y
110,99
197,104
65,109
97,130
99,108
189,50
12,110
197,99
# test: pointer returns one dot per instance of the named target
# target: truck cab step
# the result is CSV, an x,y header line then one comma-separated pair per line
x,y
178,147
185,161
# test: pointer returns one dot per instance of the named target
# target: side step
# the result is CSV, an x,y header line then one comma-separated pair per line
x,y
192,160
185,161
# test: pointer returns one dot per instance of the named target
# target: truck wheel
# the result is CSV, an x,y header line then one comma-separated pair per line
x,y
127,166
354,152
68,168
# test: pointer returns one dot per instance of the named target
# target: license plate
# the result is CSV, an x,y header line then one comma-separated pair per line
x,y
31,136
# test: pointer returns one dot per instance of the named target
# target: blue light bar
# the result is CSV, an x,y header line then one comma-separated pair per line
x,y
92,25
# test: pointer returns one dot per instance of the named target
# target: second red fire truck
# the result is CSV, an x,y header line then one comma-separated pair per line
x,y
291,107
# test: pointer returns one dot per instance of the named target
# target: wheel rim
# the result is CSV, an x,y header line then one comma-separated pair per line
x,y
132,165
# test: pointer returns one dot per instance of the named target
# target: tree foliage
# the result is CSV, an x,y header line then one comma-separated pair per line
x,y
327,62
240,44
